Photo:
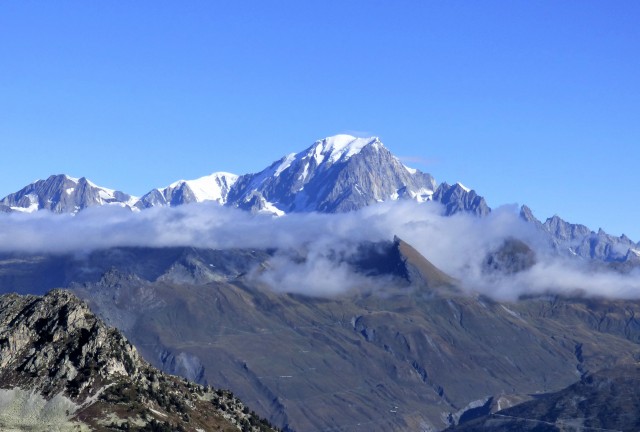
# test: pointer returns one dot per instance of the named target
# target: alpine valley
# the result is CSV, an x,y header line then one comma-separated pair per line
x,y
333,330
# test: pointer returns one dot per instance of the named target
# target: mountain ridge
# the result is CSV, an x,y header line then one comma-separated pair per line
x,y
63,369
335,174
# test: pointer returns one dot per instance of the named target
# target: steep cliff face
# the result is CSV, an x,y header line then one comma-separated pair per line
x,y
61,368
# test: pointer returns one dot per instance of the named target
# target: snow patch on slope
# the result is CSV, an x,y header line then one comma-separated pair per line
x,y
464,188
411,170
421,195
108,196
286,163
33,205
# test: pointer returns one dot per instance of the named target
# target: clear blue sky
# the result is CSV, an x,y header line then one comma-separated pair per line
x,y
534,102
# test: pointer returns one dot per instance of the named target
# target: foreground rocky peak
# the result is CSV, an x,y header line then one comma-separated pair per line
x,y
62,369
47,343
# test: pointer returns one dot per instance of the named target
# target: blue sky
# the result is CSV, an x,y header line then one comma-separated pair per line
x,y
534,102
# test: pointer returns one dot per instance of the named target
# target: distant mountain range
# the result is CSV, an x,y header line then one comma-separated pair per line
x,y
336,174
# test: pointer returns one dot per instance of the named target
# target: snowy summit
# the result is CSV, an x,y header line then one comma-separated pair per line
x,y
341,147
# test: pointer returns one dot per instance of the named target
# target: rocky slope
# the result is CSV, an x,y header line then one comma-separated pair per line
x,y
407,349
604,401
62,369
398,356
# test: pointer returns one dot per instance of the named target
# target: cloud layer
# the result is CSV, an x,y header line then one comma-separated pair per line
x,y
457,244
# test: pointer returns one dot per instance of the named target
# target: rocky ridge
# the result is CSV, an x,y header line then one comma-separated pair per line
x,y
61,368
579,241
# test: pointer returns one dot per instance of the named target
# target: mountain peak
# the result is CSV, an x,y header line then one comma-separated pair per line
x,y
213,187
68,177
64,194
335,174
340,147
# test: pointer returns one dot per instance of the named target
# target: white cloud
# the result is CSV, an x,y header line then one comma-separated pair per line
x,y
458,244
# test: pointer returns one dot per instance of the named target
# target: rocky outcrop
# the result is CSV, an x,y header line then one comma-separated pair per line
x,y
512,256
71,372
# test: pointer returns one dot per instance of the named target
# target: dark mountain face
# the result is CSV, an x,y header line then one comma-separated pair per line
x,y
408,352
607,400
407,357
62,369
512,256
37,274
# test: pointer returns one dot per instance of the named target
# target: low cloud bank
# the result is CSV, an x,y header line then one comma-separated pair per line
x,y
457,244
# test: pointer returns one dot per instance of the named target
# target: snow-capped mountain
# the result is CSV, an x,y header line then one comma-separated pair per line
x,y
336,174
64,194
214,187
